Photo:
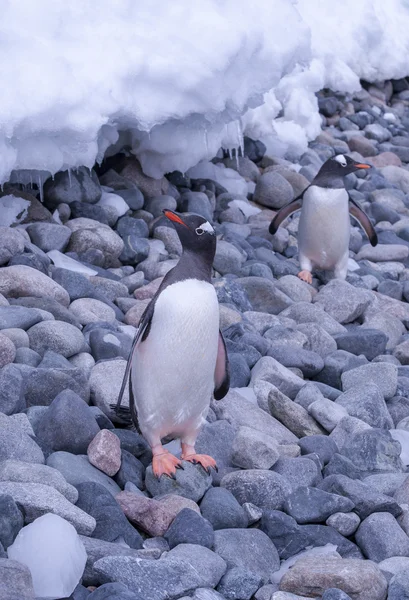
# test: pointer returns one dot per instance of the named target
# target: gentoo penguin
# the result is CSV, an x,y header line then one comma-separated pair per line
x,y
324,227
178,359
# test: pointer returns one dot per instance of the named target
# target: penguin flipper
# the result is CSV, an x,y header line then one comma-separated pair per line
x,y
363,219
143,330
222,371
285,212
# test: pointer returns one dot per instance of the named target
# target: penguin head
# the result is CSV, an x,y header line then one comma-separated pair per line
x,y
195,233
337,167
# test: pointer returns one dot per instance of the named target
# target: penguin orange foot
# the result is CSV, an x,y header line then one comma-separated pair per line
x,y
305,276
164,463
189,454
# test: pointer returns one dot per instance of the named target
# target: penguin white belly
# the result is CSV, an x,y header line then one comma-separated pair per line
x,y
324,228
173,369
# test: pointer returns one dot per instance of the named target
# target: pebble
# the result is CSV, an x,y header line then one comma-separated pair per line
x,y
16,582
11,520
380,537
264,488
23,472
49,236
37,499
346,523
189,527
222,510
20,280
12,243
111,523
68,424
16,444
77,470
311,505
342,301
104,452
59,336
383,375
184,568
249,549
147,513
253,449
360,579
365,401
273,190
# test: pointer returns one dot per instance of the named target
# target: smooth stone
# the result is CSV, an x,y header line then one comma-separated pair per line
x,y
361,579
22,472
49,236
12,390
61,337
16,582
312,505
222,510
188,527
68,424
20,280
365,401
327,413
373,451
379,536
76,470
11,520
345,523
384,375
104,452
184,568
342,301
15,443
253,449
147,513
249,549
38,499
366,500
263,488
369,342
297,472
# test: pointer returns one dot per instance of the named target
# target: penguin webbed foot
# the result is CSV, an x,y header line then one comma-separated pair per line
x,y
305,276
205,461
165,464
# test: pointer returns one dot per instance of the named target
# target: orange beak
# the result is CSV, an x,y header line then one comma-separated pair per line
x,y
362,166
173,217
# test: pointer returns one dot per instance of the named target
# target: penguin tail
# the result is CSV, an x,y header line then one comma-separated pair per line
x,y
122,412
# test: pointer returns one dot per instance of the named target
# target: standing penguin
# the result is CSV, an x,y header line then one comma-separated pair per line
x,y
324,228
178,358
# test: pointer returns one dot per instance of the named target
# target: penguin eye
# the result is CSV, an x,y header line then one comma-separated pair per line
x,y
199,231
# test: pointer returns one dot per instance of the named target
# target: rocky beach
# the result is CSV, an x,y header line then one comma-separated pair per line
x,y
311,497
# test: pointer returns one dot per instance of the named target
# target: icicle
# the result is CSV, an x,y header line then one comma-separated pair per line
x,y
40,187
31,180
206,142
69,176
230,154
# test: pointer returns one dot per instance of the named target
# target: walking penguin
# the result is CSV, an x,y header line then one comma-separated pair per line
x,y
324,227
178,359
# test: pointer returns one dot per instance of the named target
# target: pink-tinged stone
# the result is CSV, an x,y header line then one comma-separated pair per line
x,y
176,503
104,452
150,515
149,290
384,159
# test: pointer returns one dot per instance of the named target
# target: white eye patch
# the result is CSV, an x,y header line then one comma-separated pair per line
x,y
204,227
340,158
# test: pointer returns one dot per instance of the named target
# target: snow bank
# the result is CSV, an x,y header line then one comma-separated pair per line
x,y
176,80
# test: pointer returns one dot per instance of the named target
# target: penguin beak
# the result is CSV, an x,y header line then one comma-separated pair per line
x,y
172,216
362,166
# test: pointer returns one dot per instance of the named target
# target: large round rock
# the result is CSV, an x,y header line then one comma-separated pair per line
x,y
59,336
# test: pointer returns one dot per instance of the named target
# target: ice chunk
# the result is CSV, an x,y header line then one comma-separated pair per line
x,y
12,210
115,201
247,393
246,208
53,551
66,262
402,437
